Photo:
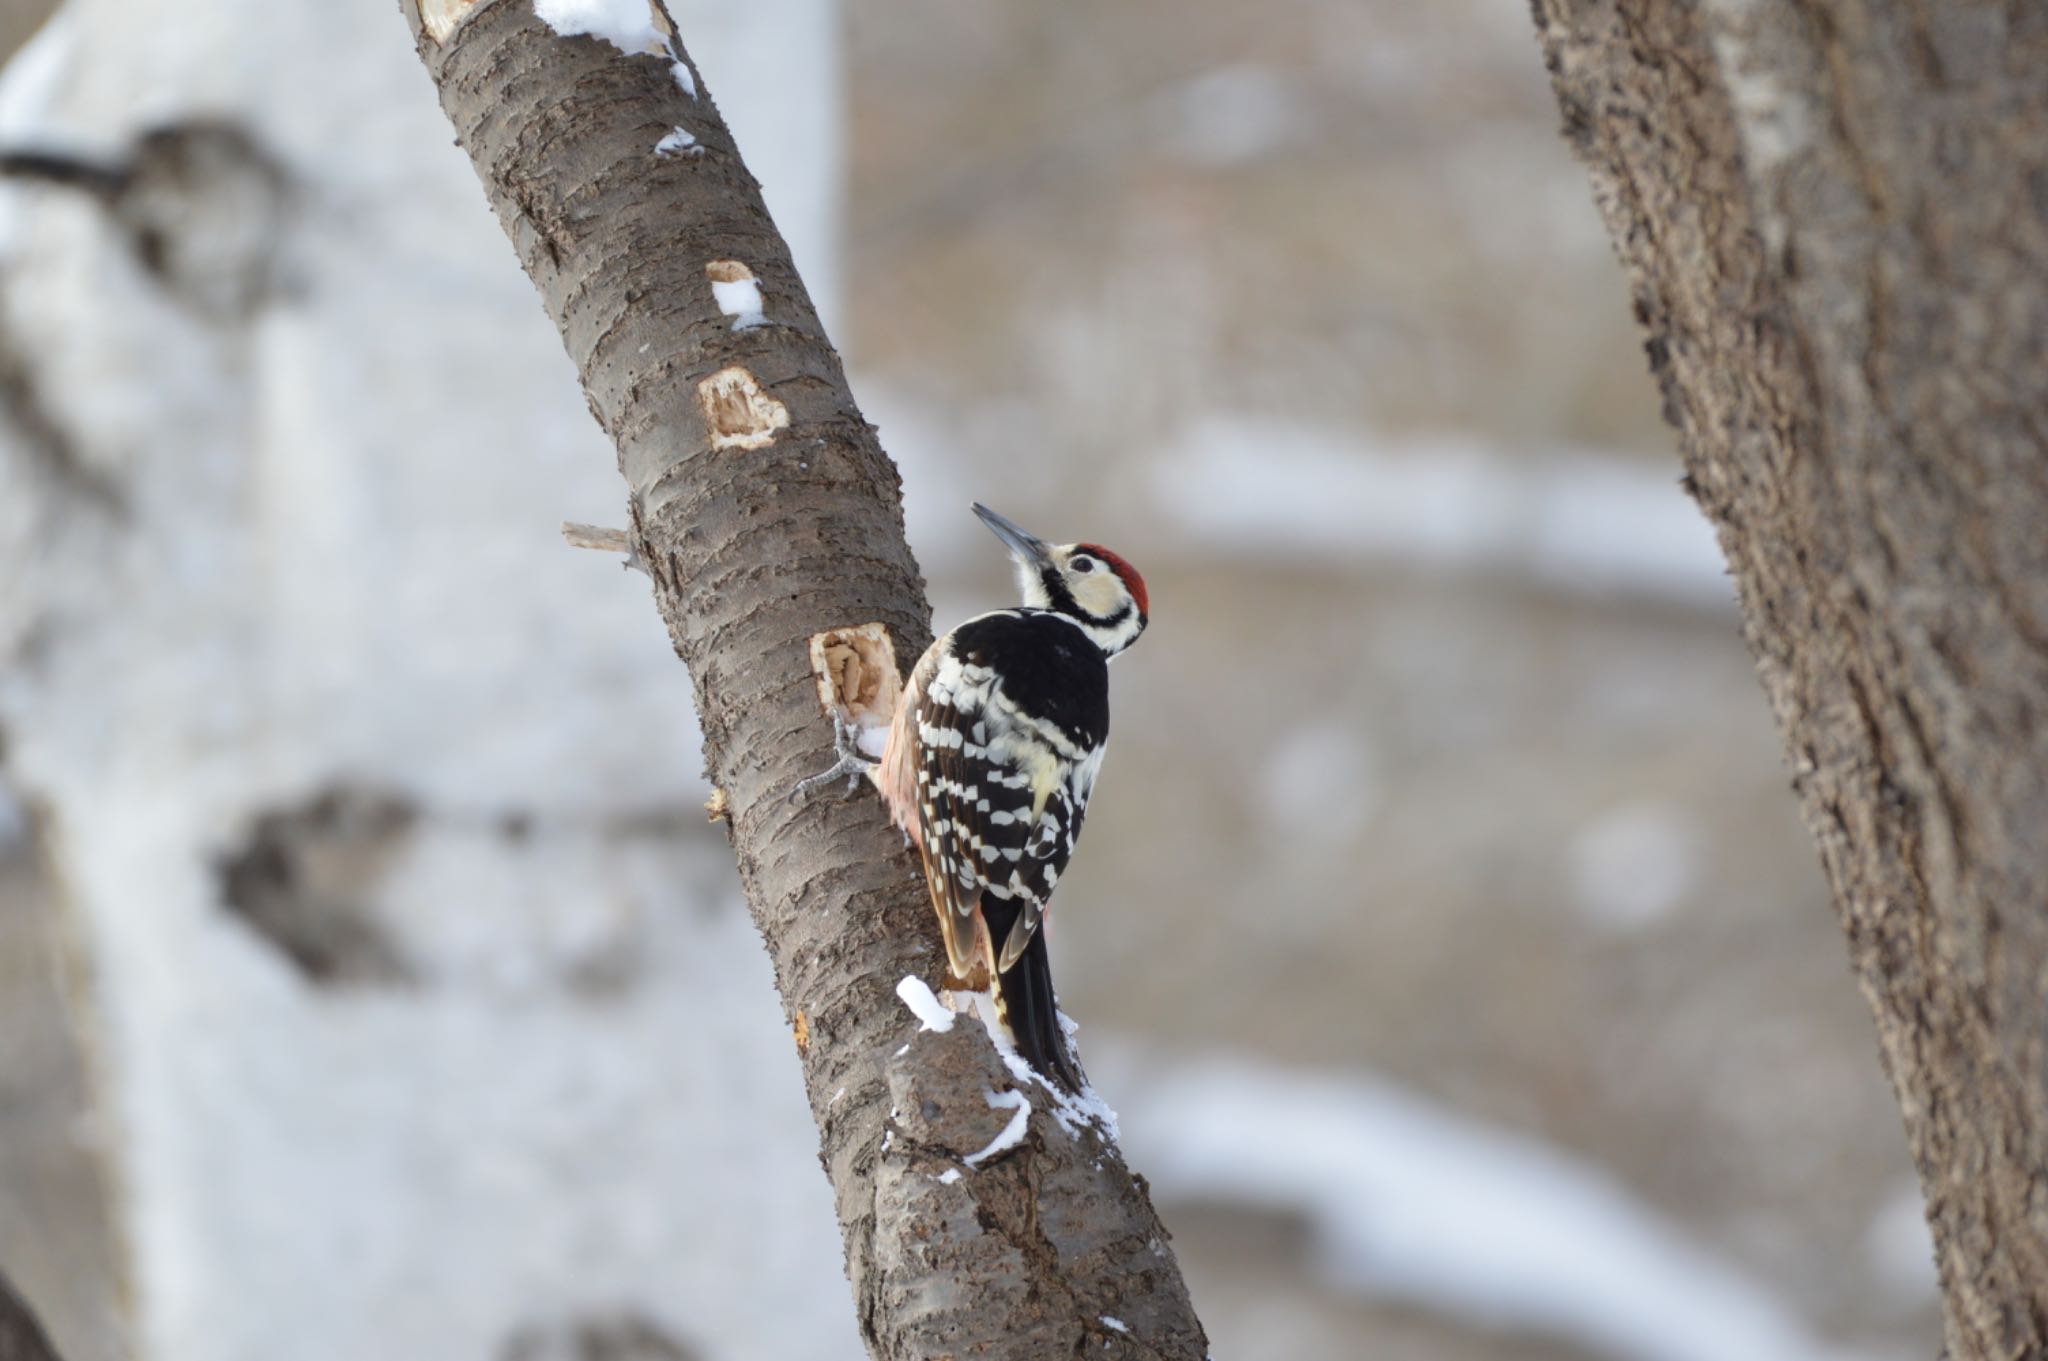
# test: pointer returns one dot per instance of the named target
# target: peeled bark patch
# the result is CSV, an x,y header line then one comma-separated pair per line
x,y
439,17
857,675
737,413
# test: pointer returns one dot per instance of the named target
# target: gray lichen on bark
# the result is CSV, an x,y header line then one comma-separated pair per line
x,y
767,513
1835,217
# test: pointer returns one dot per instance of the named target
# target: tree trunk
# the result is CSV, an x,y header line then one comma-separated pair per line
x,y
767,513
1835,217
390,938
21,1337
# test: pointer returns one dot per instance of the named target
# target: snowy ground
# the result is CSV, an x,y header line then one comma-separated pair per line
x,y
1409,1203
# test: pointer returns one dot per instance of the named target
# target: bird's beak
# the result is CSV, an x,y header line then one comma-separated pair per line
x,y
1028,548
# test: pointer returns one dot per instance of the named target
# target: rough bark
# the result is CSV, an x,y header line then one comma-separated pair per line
x,y
767,512
1835,217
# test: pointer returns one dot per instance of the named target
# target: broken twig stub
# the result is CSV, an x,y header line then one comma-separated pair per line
x,y
604,540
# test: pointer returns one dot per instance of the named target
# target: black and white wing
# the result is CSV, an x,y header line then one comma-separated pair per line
x,y
1011,725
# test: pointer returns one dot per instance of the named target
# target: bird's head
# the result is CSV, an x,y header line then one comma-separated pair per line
x,y
1084,581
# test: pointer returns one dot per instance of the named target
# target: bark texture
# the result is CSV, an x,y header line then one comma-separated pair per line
x,y
767,512
1835,217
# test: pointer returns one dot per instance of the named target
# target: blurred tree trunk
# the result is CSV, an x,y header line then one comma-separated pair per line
x,y
380,946
1835,217
21,1337
767,512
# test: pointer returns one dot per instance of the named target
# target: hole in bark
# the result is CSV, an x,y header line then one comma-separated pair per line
x,y
304,879
857,676
738,414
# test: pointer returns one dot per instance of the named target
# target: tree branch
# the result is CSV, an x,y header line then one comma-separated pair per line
x,y
767,513
1835,217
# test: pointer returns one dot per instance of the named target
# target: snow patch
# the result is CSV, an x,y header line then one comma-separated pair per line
x,y
1012,1133
948,1177
1319,782
737,292
1229,116
932,1014
626,24
1073,1112
1634,866
1111,1321
1899,1250
1411,1202
1592,522
679,142
686,79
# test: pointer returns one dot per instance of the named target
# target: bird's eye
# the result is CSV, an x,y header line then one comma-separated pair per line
x,y
1083,563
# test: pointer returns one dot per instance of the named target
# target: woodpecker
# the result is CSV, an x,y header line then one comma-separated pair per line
x,y
991,757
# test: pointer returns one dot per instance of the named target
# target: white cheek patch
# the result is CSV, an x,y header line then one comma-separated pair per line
x,y
1099,592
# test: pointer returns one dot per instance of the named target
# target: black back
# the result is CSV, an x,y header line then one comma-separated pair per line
x,y
1050,669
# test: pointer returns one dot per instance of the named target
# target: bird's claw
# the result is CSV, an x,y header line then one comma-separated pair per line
x,y
852,762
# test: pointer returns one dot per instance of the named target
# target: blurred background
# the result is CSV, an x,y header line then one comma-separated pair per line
x,y
370,984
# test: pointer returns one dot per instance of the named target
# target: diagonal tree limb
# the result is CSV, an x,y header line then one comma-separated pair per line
x,y
766,512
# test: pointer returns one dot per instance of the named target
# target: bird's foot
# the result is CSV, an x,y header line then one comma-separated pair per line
x,y
852,763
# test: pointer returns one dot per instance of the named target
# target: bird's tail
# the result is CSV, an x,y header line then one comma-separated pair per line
x,y
1025,1002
